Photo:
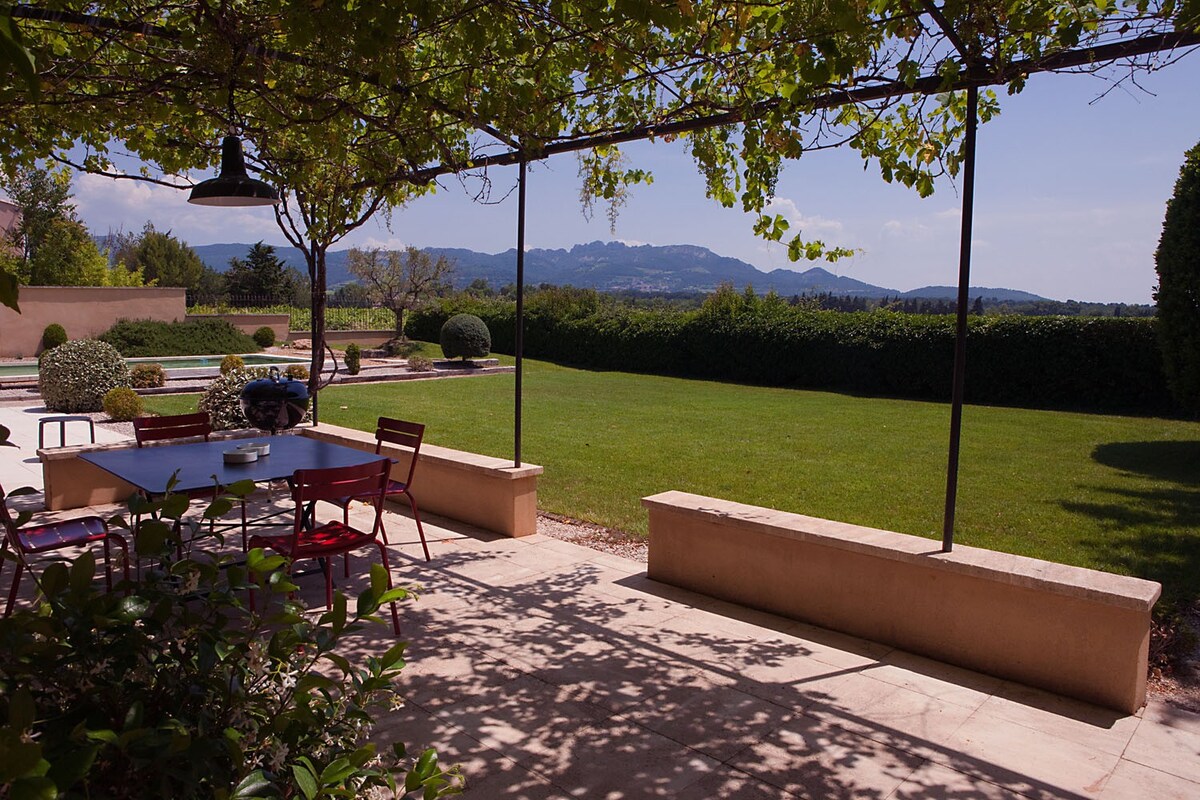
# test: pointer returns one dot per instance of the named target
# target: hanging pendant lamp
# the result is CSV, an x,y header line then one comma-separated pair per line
x,y
233,187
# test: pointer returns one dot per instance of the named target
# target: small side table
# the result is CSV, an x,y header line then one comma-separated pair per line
x,y
62,429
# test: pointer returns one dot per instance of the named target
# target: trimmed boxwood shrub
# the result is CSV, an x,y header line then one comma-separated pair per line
x,y
147,376
53,336
353,359
264,336
297,372
465,336
230,363
198,337
419,364
76,375
1100,364
122,404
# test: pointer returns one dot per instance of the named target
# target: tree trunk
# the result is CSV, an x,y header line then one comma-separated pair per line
x,y
316,272
399,312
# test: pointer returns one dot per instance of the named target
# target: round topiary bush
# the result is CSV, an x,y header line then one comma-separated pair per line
x,y
122,404
264,336
53,336
297,372
147,376
230,363
76,375
222,400
467,336
353,359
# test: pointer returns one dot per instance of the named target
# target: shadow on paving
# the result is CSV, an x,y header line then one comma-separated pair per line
x,y
549,671
585,682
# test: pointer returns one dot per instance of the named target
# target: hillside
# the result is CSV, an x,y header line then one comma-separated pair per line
x,y
612,266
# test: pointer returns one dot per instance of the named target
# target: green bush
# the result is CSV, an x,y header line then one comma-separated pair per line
x,y
419,364
76,375
264,336
232,362
403,348
353,359
53,336
147,376
1090,363
122,404
174,688
200,337
465,336
222,399
297,372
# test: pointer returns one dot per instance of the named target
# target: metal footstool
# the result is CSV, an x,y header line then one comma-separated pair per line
x,y
62,429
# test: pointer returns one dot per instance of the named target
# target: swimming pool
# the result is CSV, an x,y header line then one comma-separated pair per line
x,y
30,369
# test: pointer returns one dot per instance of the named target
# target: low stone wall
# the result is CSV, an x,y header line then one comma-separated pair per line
x,y
487,492
479,490
85,311
249,323
1076,632
339,338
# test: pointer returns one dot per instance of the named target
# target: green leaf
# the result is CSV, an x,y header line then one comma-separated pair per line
x,y
306,779
83,571
21,710
253,785
36,788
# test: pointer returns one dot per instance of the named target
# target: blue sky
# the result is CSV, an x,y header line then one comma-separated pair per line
x,y
1069,200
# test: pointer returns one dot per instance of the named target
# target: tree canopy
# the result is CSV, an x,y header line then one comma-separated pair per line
x,y
354,108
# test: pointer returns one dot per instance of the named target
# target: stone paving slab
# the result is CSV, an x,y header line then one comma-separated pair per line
x,y
553,671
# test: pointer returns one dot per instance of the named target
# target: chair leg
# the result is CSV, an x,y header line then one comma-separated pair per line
x,y
388,568
3,551
420,528
107,565
328,582
16,583
346,560
124,558
245,540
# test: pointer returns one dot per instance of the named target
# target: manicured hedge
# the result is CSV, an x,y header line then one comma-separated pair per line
x,y
1101,364
151,339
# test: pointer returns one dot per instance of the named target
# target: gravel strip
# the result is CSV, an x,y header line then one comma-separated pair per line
x,y
597,537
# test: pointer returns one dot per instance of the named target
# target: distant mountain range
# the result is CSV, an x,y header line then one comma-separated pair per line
x,y
613,266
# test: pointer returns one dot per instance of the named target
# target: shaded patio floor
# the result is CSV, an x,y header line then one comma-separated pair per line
x,y
550,670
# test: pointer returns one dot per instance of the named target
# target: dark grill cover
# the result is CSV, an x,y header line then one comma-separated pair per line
x,y
274,403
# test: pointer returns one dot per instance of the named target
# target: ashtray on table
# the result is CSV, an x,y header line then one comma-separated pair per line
x,y
240,456
262,448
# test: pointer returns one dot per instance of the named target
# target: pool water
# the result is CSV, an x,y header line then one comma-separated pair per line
x,y
179,362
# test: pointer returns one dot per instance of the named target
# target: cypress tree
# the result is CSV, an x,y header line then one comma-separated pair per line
x,y
1177,261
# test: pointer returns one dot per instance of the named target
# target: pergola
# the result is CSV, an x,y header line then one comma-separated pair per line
x,y
354,109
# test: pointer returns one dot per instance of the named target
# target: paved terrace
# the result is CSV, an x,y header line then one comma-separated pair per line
x,y
550,670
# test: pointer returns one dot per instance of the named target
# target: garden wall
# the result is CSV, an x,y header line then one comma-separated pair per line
x,y
249,323
340,338
85,311
1073,631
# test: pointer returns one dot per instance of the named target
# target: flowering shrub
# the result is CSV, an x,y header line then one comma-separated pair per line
x,y
77,374
147,376
174,689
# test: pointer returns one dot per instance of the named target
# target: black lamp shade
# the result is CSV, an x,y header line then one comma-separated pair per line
x,y
233,187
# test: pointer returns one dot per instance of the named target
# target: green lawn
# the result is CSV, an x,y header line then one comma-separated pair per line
x,y
1114,493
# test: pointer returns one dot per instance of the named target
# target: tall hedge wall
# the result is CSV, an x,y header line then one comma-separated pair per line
x,y
1101,364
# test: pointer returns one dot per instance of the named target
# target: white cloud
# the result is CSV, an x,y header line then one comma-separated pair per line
x,y
800,222
106,204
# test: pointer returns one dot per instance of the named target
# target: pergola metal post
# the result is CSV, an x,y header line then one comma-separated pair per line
x,y
960,338
519,334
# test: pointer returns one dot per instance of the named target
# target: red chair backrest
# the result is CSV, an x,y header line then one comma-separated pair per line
x,y
179,426
404,434
334,483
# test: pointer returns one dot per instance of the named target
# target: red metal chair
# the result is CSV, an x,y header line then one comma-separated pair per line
x,y
405,434
35,539
183,426
309,540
